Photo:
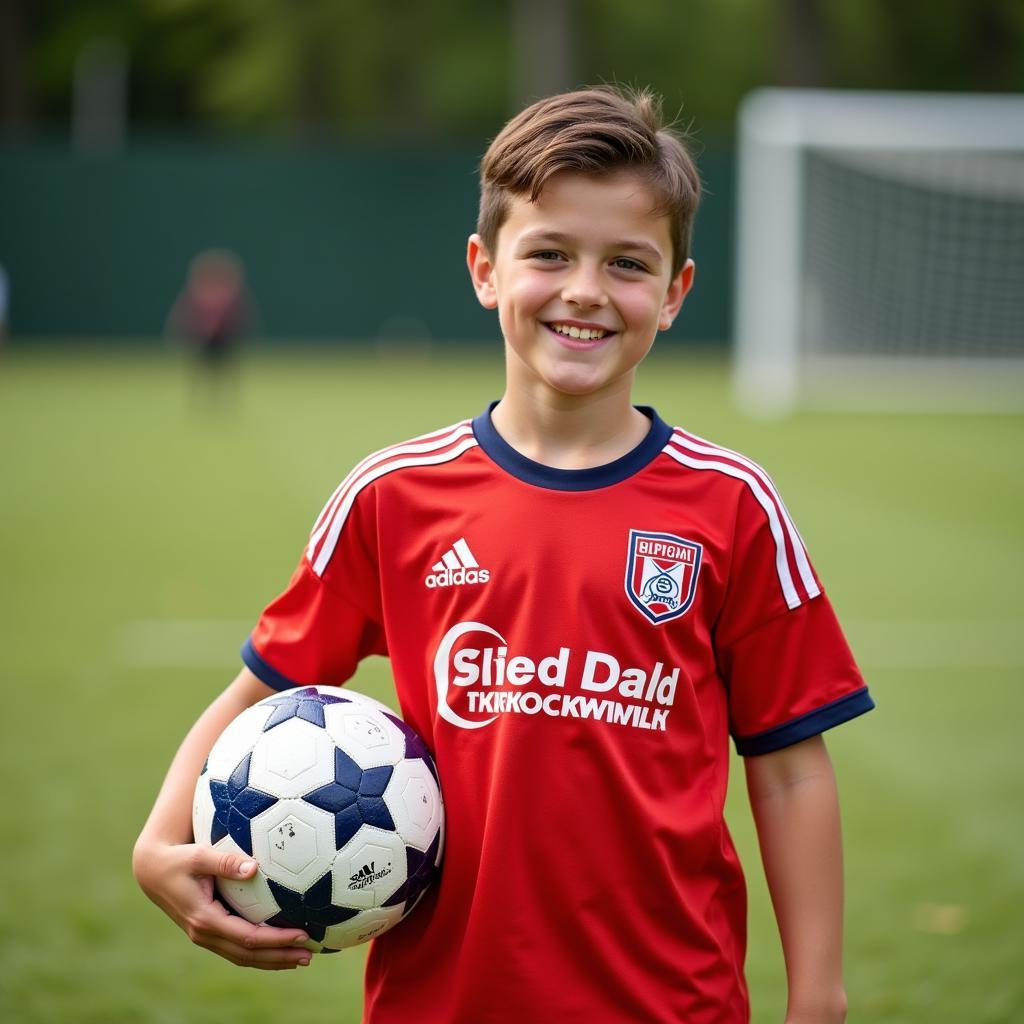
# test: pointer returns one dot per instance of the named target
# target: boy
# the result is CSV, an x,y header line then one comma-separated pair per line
x,y
580,604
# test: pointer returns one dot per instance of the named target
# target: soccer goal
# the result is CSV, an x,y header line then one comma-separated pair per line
x,y
880,252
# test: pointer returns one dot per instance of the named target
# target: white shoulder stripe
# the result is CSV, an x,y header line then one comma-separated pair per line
x,y
335,525
699,445
424,443
781,561
694,441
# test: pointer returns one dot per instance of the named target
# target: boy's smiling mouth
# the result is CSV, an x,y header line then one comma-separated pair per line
x,y
572,331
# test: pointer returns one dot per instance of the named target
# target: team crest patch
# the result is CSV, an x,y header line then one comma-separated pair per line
x,y
661,574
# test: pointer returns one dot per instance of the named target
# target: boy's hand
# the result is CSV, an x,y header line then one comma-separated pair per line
x,y
179,880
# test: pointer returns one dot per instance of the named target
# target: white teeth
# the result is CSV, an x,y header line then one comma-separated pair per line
x,y
583,333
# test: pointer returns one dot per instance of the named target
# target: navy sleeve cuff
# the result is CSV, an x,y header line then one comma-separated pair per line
x,y
264,672
806,726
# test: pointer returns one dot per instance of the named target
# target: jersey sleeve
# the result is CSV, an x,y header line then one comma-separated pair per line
x,y
329,616
788,669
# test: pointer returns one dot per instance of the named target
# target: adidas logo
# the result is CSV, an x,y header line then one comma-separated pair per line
x,y
366,875
457,568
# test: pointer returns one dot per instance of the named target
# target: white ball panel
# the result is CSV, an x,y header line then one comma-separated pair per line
x,y
369,869
444,836
370,739
202,810
291,759
293,842
237,740
250,897
361,928
362,698
414,801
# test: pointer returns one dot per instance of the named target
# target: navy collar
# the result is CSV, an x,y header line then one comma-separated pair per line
x,y
536,473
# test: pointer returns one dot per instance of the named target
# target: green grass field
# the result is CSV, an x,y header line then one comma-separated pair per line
x,y
140,536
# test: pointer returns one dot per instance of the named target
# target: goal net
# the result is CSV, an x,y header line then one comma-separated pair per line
x,y
880,252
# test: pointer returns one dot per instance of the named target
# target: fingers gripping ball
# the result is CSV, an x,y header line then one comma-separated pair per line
x,y
337,801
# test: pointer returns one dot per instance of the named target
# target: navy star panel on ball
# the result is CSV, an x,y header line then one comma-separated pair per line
x,y
355,797
420,872
235,804
307,704
311,910
415,748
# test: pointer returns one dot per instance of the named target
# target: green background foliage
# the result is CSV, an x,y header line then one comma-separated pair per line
x,y
333,144
405,70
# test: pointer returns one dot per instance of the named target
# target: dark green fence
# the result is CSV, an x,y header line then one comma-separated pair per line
x,y
338,244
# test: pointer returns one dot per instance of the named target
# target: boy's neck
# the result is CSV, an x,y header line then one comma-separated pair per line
x,y
569,431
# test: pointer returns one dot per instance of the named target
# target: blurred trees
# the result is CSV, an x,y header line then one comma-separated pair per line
x,y
396,69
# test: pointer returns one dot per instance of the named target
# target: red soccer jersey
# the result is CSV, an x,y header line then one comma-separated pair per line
x,y
576,647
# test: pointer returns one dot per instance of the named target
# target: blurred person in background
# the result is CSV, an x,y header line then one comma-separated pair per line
x,y
212,315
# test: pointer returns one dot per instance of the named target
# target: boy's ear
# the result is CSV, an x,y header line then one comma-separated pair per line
x,y
677,291
481,272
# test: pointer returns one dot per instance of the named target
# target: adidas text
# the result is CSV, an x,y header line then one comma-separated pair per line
x,y
457,567
367,875
457,577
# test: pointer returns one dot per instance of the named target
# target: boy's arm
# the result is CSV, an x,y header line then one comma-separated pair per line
x,y
177,875
796,810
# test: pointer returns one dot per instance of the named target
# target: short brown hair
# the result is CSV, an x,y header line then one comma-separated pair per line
x,y
595,131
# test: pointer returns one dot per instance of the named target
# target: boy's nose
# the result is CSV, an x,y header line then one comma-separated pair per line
x,y
583,288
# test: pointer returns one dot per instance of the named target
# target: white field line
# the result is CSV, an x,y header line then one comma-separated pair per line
x,y
180,643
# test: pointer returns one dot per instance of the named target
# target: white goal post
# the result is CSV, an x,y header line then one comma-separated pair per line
x,y
880,252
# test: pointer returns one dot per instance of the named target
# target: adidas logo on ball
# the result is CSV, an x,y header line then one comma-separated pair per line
x,y
367,875
457,568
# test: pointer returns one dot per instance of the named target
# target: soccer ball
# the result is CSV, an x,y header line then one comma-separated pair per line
x,y
337,800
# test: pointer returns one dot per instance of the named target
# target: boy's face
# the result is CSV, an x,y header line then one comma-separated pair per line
x,y
582,281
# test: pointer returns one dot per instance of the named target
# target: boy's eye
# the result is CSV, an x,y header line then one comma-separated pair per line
x,y
548,254
625,263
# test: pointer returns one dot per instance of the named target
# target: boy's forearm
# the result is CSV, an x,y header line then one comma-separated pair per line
x,y
796,809
170,820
